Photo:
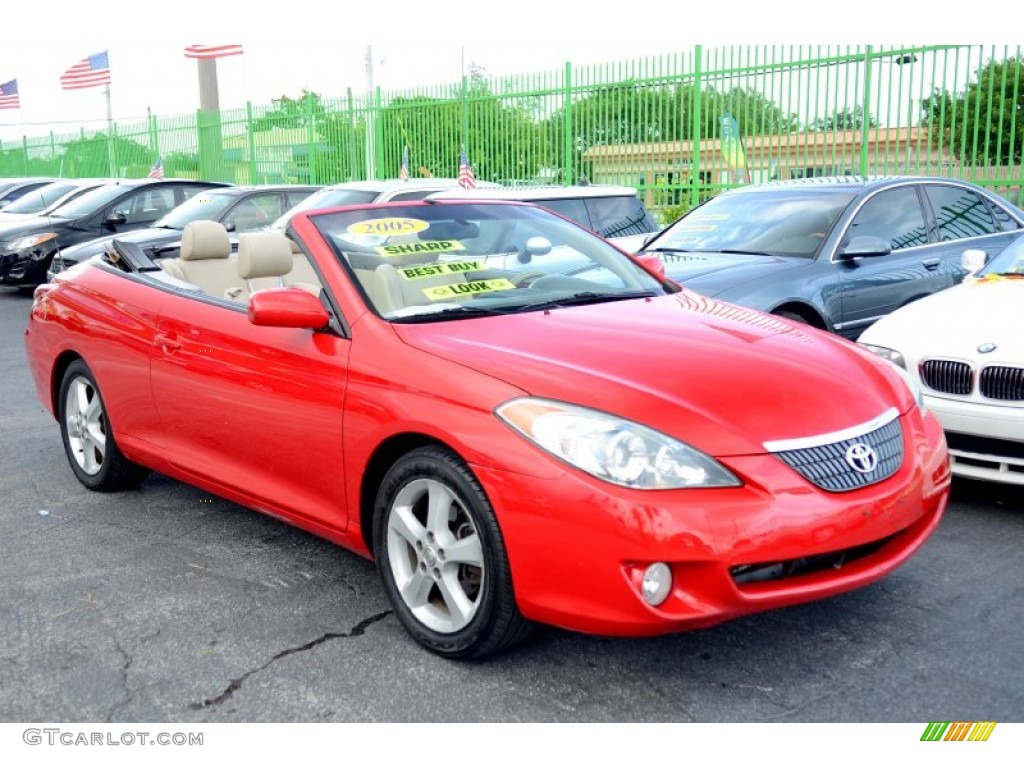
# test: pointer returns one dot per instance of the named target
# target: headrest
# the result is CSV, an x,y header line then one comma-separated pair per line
x,y
205,240
264,254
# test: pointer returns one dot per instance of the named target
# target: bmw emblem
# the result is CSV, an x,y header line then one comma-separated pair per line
x,y
987,347
861,458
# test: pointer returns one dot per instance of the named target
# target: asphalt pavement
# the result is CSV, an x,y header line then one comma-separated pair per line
x,y
168,605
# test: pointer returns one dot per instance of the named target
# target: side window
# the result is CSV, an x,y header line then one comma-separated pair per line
x,y
571,208
294,198
186,193
146,205
959,212
254,212
620,216
894,215
417,194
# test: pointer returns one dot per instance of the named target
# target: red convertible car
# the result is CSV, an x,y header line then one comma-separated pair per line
x,y
518,422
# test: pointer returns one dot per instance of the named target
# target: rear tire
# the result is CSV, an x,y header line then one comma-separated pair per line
x,y
442,560
88,439
792,316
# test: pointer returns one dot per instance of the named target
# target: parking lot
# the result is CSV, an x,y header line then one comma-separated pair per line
x,y
167,605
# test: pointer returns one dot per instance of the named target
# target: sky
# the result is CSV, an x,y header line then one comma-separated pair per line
x,y
323,47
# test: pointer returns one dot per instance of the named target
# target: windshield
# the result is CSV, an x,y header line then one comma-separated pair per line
x,y
777,222
325,198
1009,262
203,205
91,201
39,200
421,262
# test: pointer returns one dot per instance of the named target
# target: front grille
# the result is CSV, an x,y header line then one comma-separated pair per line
x,y
949,376
785,569
986,446
1002,382
827,465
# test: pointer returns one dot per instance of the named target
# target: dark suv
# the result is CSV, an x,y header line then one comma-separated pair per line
x,y
28,246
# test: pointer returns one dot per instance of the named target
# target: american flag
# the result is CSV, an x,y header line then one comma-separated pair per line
x,y
9,95
157,171
87,73
466,177
403,172
211,51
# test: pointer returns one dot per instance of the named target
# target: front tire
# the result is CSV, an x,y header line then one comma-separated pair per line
x,y
441,557
88,439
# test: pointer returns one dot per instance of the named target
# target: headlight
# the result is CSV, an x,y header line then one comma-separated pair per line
x,y
613,449
894,357
912,384
29,241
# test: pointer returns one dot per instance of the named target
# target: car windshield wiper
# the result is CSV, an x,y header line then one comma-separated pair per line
x,y
447,312
664,249
584,297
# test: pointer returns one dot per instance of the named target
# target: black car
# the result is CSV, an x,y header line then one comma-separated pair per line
x,y
836,253
27,247
239,209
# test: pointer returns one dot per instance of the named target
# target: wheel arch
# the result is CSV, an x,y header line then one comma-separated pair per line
x,y
385,455
810,315
60,366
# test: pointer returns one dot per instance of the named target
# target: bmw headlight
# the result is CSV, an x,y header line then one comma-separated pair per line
x,y
912,384
29,241
613,449
894,357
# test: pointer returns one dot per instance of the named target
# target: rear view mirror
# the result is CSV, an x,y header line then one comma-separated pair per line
x,y
972,260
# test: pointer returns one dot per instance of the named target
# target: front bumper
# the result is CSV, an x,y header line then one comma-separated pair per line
x,y
986,440
578,547
21,269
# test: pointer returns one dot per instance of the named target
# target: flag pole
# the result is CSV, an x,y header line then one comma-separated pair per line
x,y
110,133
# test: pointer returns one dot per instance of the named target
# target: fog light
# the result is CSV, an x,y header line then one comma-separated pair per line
x,y
657,583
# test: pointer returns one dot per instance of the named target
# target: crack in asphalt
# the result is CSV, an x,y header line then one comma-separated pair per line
x,y
356,631
128,659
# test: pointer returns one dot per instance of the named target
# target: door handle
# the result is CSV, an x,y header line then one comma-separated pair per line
x,y
931,263
168,343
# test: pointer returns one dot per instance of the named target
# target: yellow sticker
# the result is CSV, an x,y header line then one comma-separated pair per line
x,y
455,290
393,226
448,268
424,246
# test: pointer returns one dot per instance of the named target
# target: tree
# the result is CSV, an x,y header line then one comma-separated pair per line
x,y
977,125
845,119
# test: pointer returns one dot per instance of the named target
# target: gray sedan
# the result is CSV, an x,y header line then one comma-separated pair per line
x,y
835,253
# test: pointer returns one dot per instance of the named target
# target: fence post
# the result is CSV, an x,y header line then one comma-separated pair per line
x,y
310,139
24,150
569,144
866,122
698,96
250,138
378,128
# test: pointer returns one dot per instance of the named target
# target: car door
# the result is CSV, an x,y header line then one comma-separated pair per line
x,y
965,219
874,286
253,410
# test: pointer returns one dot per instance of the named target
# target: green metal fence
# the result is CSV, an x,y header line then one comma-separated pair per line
x,y
678,127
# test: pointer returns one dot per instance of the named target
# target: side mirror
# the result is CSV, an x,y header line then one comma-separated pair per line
x,y
865,246
972,260
115,219
287,308
652,262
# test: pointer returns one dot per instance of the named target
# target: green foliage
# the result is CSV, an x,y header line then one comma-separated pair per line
x,y
845,119
978,124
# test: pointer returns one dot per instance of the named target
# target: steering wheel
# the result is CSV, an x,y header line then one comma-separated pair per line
x,y
523,279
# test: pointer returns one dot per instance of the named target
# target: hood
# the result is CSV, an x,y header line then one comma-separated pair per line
x,y
954,322
723,378
712,273
29,225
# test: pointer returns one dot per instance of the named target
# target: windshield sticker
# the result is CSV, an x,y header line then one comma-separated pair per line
x,y
393,226
709,216
448,268
453,291
697,227
424,246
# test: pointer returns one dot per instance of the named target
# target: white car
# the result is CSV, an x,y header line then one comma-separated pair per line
x,y
966,347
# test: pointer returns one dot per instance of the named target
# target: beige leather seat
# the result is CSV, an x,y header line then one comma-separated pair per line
x,y
264,258
205,259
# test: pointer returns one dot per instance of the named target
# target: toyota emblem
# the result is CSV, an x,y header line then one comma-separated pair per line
x,y
861,458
